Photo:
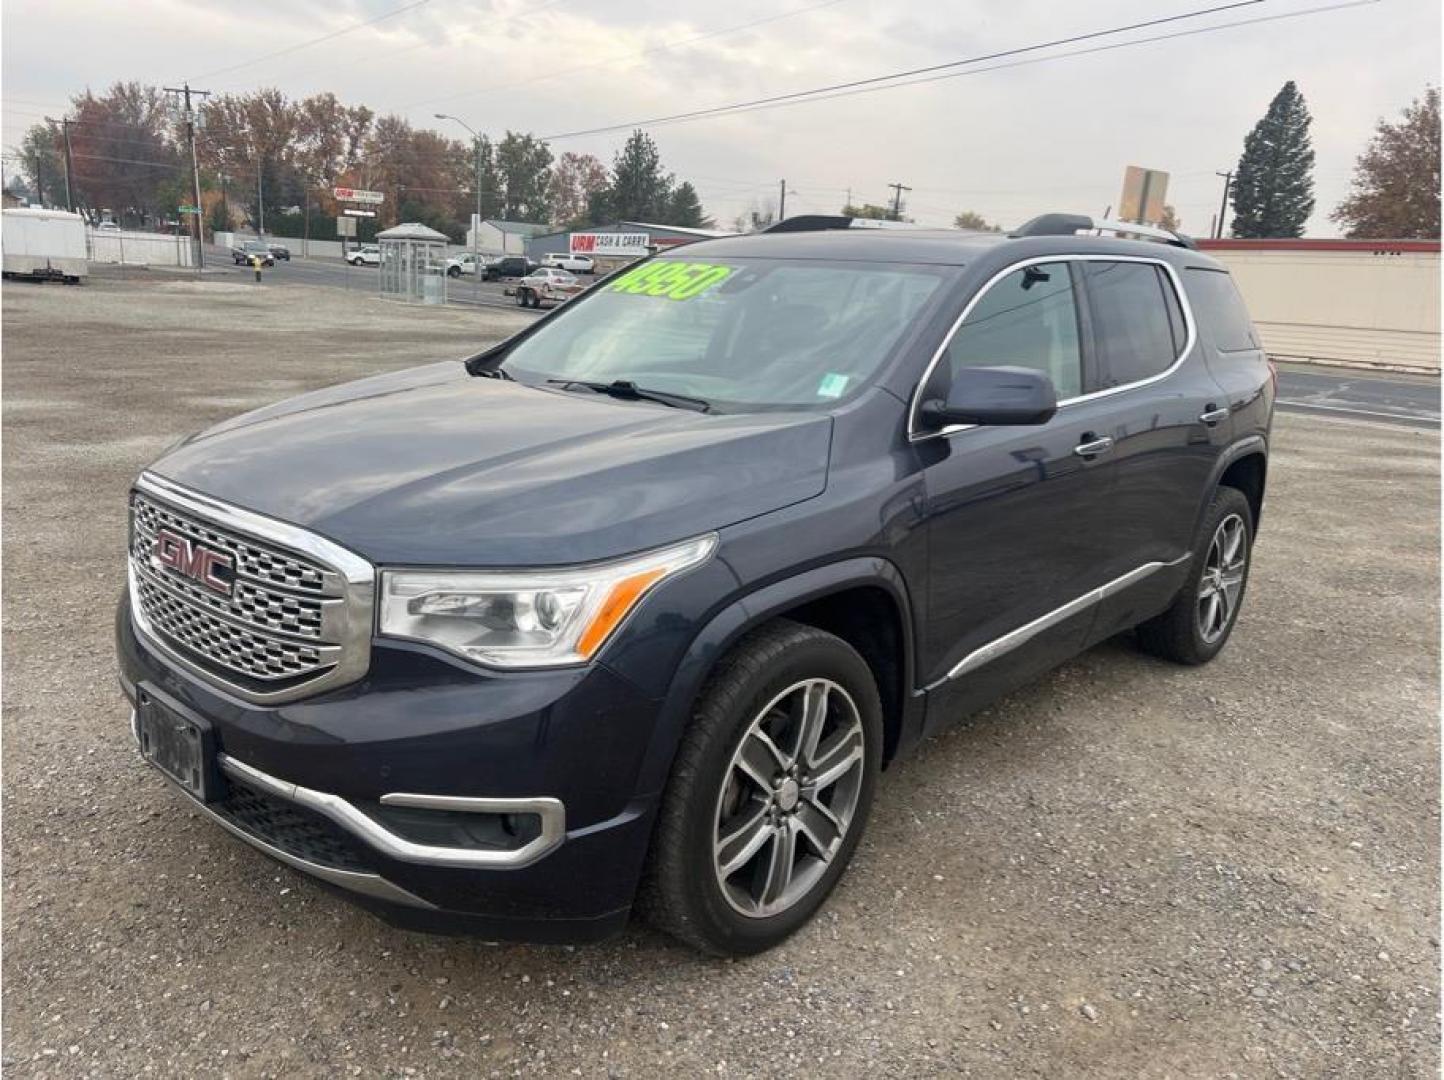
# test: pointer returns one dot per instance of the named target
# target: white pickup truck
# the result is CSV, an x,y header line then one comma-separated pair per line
x,y
577,264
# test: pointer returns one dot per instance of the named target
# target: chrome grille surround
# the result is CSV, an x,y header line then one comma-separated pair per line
x,y
299,616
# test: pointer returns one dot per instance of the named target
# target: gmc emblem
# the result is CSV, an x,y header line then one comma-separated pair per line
x,y
189,559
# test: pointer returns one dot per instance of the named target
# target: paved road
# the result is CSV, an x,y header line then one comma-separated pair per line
x,y
336,274
1412,400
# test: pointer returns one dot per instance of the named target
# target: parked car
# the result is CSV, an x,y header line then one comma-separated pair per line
x,y
577,264
279,251
366,255
249,250
465,263
545,285
641,600
510,266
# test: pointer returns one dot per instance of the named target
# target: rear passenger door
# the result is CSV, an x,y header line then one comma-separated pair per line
x,y
1166,415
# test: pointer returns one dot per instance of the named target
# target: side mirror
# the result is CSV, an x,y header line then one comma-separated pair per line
x,y
995,396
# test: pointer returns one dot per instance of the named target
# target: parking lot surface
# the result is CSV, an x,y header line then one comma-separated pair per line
x,y
1128,869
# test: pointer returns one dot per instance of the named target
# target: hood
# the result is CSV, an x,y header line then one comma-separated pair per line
x,y
433,466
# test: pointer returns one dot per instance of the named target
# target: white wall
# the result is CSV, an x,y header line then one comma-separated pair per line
x,y
131,248
1365,304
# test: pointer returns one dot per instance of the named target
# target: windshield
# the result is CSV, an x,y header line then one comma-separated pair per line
x,y
742,332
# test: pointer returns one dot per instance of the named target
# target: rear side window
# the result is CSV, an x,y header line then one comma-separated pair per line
x,y
1027,319
1215,297
1137,324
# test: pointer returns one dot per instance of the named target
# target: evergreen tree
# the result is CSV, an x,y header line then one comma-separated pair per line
x,y
1273,187
685,209
640,190
1396,183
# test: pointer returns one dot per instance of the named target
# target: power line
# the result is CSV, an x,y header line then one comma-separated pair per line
x,y
777,98
316,41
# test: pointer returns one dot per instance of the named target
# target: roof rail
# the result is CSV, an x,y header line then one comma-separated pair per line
x,y
1069,224
820,222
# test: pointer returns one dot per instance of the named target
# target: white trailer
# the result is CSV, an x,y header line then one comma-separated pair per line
x,y
43,244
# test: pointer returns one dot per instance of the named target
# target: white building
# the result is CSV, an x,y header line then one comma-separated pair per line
x,y
503,237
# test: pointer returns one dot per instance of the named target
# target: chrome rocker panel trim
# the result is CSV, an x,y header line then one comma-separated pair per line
x,y
1000,646
358,576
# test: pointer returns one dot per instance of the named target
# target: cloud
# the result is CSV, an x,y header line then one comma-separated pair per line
x,y
1007,143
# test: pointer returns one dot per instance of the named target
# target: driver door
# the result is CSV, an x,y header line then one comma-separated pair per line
x,y
1019,520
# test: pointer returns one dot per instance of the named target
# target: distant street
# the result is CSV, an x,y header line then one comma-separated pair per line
x,y
1412,400
333,273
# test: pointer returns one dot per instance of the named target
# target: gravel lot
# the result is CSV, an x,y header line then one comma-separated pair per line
x,y
1129,869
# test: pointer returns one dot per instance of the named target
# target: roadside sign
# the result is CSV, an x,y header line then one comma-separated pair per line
x,y
346,194
358,213
1143,193
188,210
346,226
601,243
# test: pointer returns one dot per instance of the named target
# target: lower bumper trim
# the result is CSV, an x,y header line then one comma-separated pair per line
x,y
373,885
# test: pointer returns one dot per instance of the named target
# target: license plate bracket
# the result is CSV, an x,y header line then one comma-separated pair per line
x,y
180,744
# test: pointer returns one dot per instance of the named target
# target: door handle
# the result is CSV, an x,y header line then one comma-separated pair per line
x,y
1213,415
1093,445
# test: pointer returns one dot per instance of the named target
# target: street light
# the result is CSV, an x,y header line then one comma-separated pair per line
x,y
476,226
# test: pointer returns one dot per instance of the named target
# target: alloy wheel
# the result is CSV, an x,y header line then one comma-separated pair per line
x,y
1221,584
788,798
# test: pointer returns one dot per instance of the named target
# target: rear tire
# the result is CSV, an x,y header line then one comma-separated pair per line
x,y
1198,624
769,793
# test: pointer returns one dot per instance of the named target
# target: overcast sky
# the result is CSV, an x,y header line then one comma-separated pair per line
x,y
1008,143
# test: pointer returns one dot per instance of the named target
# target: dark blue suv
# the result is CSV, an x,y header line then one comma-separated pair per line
x,y
632,609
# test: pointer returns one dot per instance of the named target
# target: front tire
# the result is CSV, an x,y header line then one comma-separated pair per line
x,y
769,792
1197,626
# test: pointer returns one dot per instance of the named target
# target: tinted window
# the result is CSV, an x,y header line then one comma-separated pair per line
x,y
1132,330
1027,319
1220,308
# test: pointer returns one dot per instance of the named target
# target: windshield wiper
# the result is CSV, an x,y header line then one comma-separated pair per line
x,y
627,390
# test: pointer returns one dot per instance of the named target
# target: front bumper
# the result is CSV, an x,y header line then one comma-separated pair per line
x,y
308,783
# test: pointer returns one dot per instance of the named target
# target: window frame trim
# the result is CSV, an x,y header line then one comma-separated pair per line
x,y
915,434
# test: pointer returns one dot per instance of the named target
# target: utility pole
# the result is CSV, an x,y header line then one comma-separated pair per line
x,y
476,222
782,202
65,130
185,89
897,193
1223,206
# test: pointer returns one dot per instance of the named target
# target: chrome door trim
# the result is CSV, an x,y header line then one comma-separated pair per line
x,y
1213,416
1000,646
915,435
375,835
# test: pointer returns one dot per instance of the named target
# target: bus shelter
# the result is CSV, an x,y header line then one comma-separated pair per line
x,y
413,264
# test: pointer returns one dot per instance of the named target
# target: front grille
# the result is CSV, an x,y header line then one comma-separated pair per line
x,y
293,829
286,622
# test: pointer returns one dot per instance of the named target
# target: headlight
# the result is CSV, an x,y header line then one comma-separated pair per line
x,y
531,618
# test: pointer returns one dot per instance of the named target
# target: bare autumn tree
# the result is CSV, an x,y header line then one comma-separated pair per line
x,y
1395,192
574,179
124,155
